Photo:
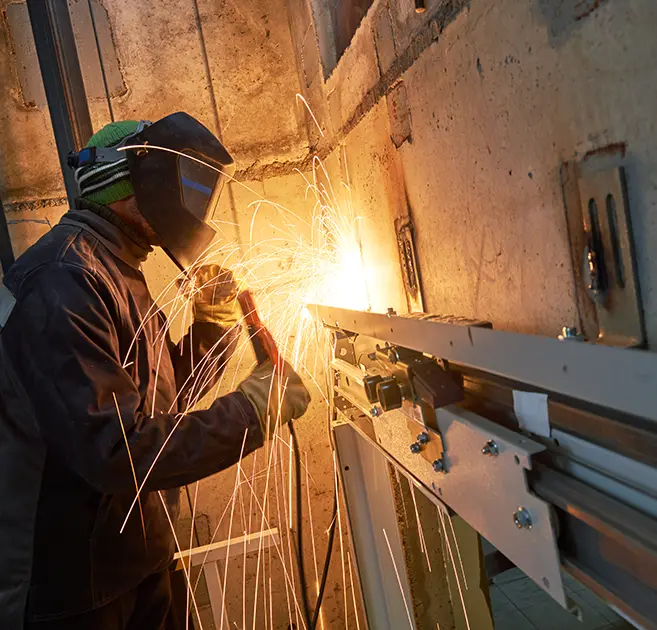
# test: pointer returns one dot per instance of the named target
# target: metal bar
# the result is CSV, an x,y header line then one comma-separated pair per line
x,y
216,594
616,379
221,551
374,531
610,544
62,80
6,250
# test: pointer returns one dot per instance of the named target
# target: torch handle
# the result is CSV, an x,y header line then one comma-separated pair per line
x,y
264,345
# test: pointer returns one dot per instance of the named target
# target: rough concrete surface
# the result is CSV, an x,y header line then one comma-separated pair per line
x,y
497,103
251,62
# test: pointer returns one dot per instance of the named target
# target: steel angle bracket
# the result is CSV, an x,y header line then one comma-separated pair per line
x,y
486,487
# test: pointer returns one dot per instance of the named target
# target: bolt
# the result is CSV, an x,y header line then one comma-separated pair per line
x,y
522,518
375,412
490,448
438,465
423,438
415,448
570,334
391,311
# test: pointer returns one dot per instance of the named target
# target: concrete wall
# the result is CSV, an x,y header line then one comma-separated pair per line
x,y
499,94
252,74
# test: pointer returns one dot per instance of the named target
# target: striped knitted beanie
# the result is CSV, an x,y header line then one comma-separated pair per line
x,y
107,183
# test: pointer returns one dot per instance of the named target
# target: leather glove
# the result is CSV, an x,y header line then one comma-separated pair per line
x,y
281,397
215,299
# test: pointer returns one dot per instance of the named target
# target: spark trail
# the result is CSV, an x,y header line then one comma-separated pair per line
x,y
311,254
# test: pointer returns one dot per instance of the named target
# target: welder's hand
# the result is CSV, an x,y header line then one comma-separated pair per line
x,y
277,399
215,299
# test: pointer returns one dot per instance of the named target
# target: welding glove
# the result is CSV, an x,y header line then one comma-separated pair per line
x,y
215,298
276,398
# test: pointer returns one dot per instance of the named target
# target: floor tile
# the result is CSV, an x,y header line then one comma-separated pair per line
x,y
500,603
599,605
523,592
509,576
513,621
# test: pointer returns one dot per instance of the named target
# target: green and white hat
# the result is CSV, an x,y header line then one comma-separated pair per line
x,y
107,183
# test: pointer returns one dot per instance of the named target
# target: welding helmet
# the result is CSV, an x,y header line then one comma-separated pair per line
x,y
177,182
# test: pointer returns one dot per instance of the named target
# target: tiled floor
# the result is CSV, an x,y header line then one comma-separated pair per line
x,y
519,604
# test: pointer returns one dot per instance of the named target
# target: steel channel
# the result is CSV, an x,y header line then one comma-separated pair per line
x,y
62,80
617,379
608,542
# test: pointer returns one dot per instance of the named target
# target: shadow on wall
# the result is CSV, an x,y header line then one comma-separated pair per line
x,y
562,17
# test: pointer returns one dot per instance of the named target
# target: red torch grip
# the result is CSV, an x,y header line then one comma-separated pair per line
x,y
262,340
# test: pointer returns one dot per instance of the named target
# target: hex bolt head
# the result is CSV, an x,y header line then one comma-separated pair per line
x,y
569,333
438,466
522,518
375,412
490,448
423,438
415,448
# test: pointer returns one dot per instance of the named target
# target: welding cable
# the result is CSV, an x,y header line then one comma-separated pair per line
x,y
327,560
332,528
299,498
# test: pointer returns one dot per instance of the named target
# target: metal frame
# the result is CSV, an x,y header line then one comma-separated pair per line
x,y
617,379
374,530
209,556
589,490
62,80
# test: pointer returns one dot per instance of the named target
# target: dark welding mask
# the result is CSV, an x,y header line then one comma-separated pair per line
x,y
177,183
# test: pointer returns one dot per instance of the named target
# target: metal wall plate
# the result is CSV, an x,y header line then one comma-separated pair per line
x,y
489,491
609,262
408,262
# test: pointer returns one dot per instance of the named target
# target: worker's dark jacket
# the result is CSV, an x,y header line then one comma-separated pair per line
x,y
86,364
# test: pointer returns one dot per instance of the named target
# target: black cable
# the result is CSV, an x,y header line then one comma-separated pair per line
x,y
299,497
327,561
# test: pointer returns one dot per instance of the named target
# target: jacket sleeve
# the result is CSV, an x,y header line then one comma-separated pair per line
x,y
201,357
65,348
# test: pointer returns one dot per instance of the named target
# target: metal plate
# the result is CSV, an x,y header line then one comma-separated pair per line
x,y
606,216
485,491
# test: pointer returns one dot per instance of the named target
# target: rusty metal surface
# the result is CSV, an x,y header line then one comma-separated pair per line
x,y
606,220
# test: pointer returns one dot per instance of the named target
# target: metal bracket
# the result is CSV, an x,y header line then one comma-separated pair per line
x,y
408,261
489,492
609,264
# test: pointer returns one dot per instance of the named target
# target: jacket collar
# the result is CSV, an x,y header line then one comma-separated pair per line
x,y
122,240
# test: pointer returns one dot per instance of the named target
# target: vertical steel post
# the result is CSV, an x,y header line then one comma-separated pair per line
x,y
6,251
62,80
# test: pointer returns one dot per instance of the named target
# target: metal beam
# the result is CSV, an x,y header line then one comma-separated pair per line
x,y
62,80
604,377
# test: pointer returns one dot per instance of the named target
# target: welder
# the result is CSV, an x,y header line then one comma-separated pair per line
x,y
95,398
